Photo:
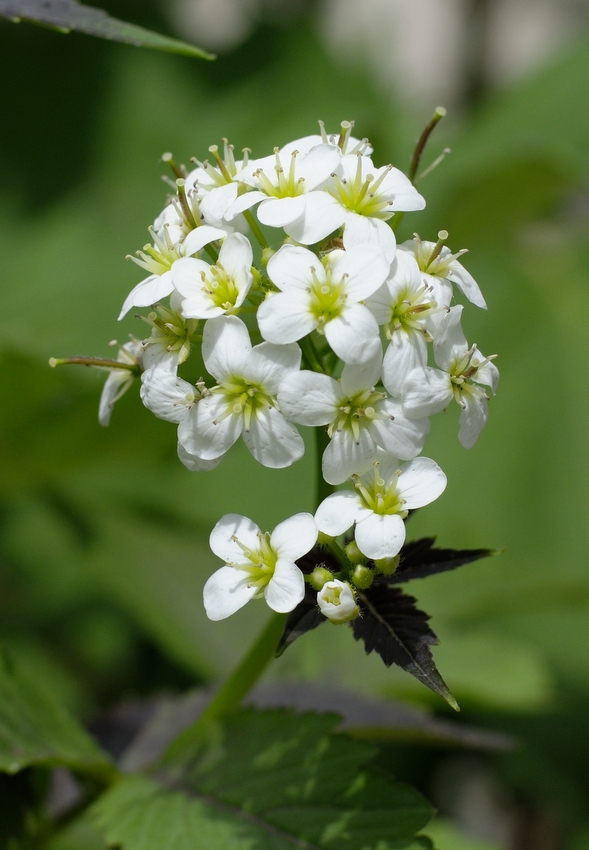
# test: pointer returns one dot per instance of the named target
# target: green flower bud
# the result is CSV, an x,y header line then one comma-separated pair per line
x,y
387,566
353,554
319,577
362,577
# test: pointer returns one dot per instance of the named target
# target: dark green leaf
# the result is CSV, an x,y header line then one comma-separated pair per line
x,y
305,617
392,626
66,15
36,730
271,780
419,559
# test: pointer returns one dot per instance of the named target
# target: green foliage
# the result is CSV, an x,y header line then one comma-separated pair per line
x,y
264,780
34,730
68,15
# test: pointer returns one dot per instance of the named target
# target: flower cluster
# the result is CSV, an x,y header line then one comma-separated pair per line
x,y
285,274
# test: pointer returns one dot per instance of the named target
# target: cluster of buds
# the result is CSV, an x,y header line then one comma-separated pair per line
x,y
285,273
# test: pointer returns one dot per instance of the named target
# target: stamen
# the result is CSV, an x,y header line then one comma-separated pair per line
x,y
178,170
442,236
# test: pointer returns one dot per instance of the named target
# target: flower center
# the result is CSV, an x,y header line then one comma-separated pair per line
x,y
243,399
362,195
283,185
332,595
157,258
170,330
328,297
380,496
358,412
409,312
262,562
220,287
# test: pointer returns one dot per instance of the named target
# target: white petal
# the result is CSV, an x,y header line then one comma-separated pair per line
x,y
380,535
467,284
291,266
451,343
232,526
420,482
285,317
186,275
244,202
269,364
344,456
204,433
166,395
286,588
400,436
426,393
278,212
366,268
472,419
225,346
215,204
148,292
323,215
339,512
226,592
197,464
361,229
236,255
406,352
356,378
354,335
317,165
201,236
273,441
488,375
117,383
295,536
309,398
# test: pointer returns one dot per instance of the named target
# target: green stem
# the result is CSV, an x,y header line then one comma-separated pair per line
x,y
311,354
263,242
246,674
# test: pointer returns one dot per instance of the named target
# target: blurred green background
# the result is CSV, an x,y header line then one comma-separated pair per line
x,y
103,545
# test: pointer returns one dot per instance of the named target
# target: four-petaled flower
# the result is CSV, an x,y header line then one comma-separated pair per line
x,y
258,564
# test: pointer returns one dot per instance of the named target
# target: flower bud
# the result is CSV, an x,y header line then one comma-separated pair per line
x,y
319,577
353,554
337,602
387,566
362,577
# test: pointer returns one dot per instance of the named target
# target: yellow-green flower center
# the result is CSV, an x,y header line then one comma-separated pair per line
x,y
220,287
361,194
262,562
357,412
380,497
243,398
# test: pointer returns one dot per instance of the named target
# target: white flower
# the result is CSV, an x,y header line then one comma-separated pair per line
x,y
359,197
284,183
436,261
258,564
212,290
244,401
463,370
171,335
359,418
337,602
119,380
381,501
325,295
407,307
159,260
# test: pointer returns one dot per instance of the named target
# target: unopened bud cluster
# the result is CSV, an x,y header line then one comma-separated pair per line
x,y
284,273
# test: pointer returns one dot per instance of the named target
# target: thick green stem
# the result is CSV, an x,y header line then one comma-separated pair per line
x,y
247,673
263,242
311,354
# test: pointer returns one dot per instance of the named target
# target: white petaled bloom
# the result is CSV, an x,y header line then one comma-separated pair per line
x,y
243,403
284,182
407,307
258,564
344,140
212,290
360,419
436,261
325,295
463,373
158,259
120,379
217,185
337,602
361,198
382,499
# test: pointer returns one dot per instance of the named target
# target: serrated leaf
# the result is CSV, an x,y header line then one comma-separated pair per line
x,y
305,617
67,15
392,626
36,730
270,780
419,559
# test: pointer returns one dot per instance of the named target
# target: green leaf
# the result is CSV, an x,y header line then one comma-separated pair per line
x,y
271,780
67,15
36,730
419,559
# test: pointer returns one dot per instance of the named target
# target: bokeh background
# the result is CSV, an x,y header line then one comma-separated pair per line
x,y
103,534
